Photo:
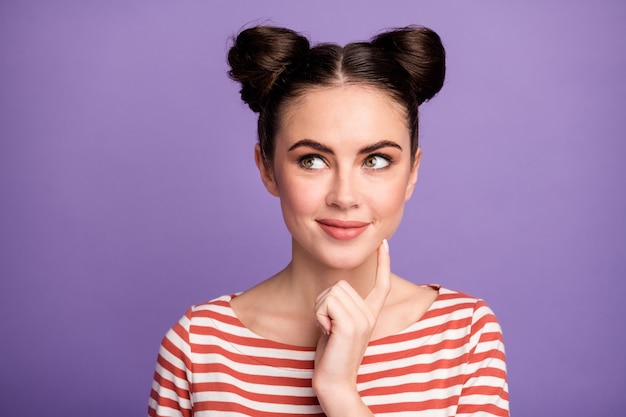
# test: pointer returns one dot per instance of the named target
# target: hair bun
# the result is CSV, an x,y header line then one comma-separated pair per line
x,y
420,52
257,58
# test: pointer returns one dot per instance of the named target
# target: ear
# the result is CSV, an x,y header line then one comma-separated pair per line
x,y
267,173
413,174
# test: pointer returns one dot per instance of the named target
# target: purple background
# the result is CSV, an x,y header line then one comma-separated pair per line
x,y
128,189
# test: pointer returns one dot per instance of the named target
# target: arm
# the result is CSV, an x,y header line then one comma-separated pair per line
x,y
170,395
485,391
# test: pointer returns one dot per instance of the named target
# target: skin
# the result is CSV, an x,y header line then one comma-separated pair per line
x,y
342,154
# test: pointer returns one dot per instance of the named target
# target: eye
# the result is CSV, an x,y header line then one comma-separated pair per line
x,y
376,162
312,162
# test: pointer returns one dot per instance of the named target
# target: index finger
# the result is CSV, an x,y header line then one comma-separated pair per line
x,y
382,286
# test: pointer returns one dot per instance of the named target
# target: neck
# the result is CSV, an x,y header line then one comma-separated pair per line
x,y
306,277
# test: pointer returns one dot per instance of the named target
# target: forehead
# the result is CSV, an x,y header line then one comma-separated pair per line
x,y
344,111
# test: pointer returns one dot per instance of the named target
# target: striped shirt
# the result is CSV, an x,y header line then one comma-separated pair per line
x,y
449,363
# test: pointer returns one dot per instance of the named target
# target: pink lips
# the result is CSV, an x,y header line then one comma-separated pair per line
x,y
342,229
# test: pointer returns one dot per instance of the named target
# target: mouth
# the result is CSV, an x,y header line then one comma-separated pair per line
x,y
342,229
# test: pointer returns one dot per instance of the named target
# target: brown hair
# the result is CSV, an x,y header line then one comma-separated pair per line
x,y
275,65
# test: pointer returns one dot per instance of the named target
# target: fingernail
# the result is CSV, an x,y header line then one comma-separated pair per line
x,y
386,245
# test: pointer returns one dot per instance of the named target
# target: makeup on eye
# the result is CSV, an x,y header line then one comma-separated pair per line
x,y
311,161
377,161
373,160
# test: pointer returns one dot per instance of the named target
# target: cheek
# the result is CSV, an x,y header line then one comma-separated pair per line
x,y
390,197
388,207
299,197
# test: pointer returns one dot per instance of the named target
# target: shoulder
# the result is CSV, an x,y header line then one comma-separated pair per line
x,y
457,301
200,318
219,305
215,311
461,310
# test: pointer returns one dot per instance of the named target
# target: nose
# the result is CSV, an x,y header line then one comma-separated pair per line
x,y
343,191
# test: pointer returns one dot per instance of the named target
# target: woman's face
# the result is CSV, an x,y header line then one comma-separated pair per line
x,y
343,170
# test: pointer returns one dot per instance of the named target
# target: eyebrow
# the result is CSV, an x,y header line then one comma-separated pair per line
x,y
323,148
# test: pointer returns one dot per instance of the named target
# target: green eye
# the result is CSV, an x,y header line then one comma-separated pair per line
x,y
312,162
376,162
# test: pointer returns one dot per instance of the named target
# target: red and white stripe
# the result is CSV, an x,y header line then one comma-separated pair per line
x,y
450,363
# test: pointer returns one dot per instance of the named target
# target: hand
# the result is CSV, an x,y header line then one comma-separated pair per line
x,y
347,321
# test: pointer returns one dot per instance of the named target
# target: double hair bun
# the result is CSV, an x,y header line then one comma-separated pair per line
x,y
264,57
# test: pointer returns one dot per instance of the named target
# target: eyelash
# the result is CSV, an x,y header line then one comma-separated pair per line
x,y
310,156
387,158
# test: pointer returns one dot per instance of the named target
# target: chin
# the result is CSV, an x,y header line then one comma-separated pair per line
x,y
345,259
339,255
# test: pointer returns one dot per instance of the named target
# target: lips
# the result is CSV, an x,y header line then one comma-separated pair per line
x,y
342,229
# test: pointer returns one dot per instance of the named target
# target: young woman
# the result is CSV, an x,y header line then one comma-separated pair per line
x,y
336,332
